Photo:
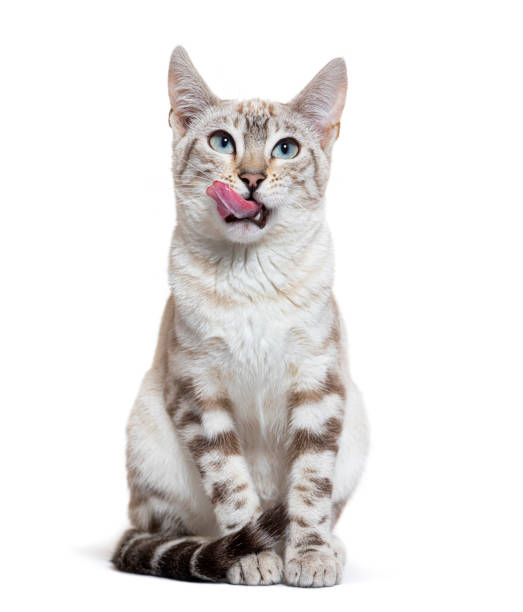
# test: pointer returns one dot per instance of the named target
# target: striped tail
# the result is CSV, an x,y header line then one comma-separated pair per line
x,y
196,558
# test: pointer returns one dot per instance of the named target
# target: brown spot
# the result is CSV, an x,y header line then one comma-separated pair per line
x,y
298,182
334,384
307,501
300,521
302,488
184,390
240,503
217,465
331,385
186,155
323,519
298,398
232,525
335,333
312,539
155,522
256,126
189,418
240,487
220,492
323,487
306,441
226,442
219,403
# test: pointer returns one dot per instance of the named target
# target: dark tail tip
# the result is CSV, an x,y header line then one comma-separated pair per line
x,y
217,557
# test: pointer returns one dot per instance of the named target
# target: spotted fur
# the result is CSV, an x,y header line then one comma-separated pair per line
x,y
248,434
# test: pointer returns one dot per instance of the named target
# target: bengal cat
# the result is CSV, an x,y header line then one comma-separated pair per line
x,y
248,435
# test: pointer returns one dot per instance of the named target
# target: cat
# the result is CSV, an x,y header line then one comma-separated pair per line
x,y
248,435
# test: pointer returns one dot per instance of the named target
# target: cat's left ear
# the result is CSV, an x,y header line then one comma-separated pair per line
x,y
188,93
321,102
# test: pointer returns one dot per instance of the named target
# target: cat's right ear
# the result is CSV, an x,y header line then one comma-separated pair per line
x,y
188,92
321,102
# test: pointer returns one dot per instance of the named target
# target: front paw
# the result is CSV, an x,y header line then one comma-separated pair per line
x,y
313,568
262,568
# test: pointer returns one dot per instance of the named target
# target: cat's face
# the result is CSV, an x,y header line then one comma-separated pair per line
x,y
275,156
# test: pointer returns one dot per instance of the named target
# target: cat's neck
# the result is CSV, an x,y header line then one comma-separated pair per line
x,y
291,269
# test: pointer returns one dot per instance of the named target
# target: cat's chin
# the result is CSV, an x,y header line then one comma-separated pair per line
x,y
246,231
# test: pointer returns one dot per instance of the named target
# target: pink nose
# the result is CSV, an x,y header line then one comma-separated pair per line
x,y
252,180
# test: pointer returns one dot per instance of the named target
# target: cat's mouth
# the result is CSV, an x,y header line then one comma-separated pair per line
x,y
259,219
233,208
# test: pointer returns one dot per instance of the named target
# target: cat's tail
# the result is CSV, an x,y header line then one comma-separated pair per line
x,y
197,558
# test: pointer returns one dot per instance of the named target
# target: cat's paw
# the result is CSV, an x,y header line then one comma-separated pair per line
x,y
313,568
262,568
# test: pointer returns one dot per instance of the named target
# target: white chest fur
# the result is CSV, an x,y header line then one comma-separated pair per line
x,y
248,324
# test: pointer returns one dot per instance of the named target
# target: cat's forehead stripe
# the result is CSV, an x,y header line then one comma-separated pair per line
x,y
256,118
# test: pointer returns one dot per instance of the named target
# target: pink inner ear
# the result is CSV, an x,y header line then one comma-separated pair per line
x,y
328,133
332,118
228,202
336,110
323,99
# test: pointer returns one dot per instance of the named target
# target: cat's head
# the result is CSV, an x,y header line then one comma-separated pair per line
x,y
274,156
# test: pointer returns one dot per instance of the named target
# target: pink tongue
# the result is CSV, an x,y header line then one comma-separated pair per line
x,y
229,202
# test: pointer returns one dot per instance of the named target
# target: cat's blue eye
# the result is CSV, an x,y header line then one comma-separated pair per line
x,y
286,149
222,142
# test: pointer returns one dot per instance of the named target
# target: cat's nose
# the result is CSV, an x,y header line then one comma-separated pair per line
x,y
252,180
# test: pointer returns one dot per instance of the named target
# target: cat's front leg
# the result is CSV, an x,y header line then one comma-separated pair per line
x,y
207,427
315,424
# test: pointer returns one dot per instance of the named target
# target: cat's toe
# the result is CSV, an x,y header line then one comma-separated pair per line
x,y
270,566
257,569
234,575
313,569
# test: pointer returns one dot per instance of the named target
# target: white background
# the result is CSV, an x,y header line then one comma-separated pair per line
x,y
425,203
